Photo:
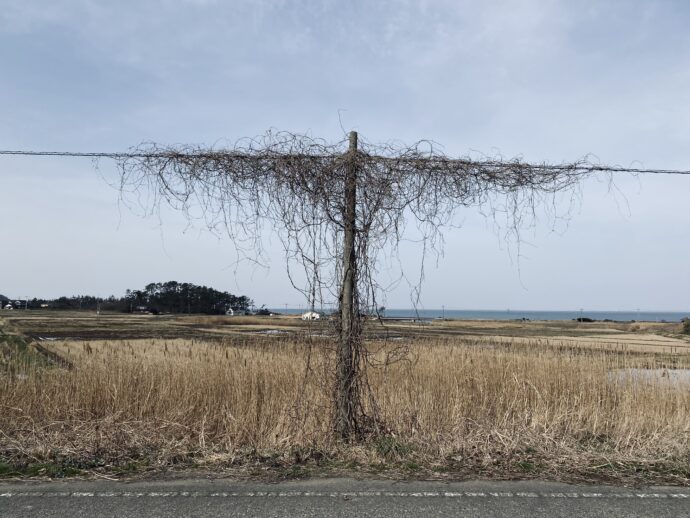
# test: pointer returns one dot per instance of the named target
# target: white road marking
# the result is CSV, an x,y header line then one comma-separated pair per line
x,y
331,494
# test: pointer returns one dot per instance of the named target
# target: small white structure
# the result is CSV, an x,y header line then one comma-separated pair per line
x,y
9,306
229,312
311,315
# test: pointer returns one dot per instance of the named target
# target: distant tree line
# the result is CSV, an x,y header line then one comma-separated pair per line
x,y
156,297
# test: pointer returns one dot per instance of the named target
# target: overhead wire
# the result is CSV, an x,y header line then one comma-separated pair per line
x,y
485,163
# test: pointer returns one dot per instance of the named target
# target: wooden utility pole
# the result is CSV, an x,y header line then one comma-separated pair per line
x,y
346,388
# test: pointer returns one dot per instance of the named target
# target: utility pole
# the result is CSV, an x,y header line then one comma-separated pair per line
x,y
346,368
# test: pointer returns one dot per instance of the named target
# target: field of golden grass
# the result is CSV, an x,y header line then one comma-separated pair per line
x,y
456,406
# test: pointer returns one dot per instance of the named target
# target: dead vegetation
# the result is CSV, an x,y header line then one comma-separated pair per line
x,y
460,406
341,214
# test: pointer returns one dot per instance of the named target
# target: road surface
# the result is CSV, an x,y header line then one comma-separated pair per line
x,y
335,497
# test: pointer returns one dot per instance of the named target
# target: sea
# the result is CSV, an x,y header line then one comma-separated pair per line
x,y
519,314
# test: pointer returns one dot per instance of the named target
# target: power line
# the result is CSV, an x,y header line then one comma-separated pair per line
x,y
151,154
211,154
104,154
597,168
61,153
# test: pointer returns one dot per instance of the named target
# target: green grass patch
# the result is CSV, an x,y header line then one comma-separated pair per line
x,y
391,448
6,470
51,470
16,355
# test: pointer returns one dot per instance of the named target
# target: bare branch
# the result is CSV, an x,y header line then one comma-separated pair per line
x,y
298,186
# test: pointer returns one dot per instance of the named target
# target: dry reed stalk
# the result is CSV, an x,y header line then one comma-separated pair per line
x,y
461,399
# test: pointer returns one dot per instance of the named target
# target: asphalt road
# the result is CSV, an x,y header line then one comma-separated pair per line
x,y
335,497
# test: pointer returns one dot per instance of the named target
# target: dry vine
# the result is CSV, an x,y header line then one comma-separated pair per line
x,y
297,185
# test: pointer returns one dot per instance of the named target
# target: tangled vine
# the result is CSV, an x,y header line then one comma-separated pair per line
x,y
297,185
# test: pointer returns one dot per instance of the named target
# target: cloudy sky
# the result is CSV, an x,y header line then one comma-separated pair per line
x,y
542,80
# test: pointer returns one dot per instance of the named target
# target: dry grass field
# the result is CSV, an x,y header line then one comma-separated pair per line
x,y
136,394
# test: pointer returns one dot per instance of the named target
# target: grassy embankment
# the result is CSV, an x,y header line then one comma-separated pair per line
x,y
461,406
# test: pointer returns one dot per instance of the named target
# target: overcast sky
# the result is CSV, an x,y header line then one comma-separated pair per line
x,y
543,80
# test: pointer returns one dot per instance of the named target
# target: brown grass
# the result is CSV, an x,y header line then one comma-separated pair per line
x,y
458,404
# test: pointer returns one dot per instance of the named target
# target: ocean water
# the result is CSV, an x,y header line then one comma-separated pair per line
x,y
474,314
488,314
